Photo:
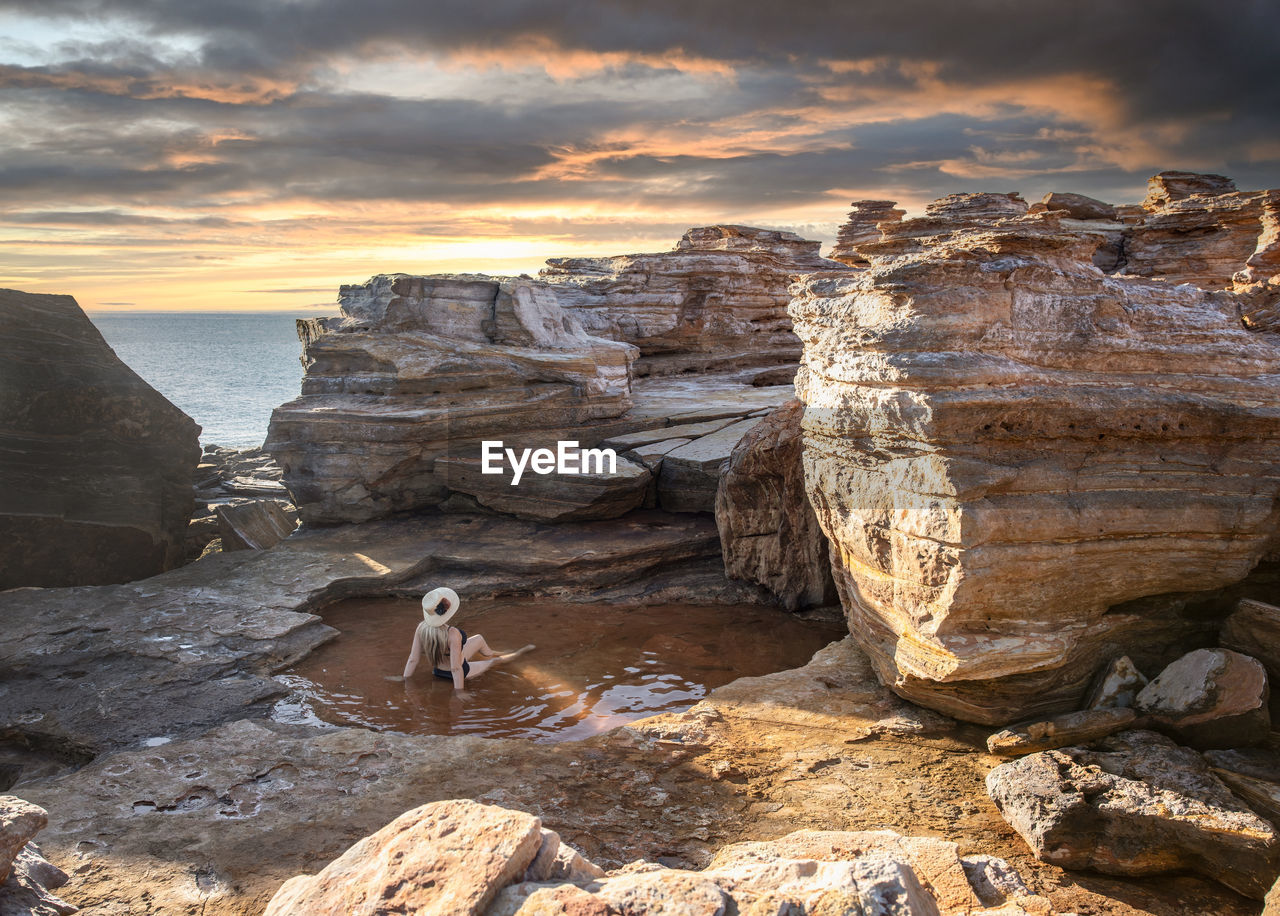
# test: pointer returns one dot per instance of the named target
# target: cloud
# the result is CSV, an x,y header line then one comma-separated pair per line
x,y
283,142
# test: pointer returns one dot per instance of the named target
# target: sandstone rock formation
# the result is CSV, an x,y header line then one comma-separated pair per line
x,y
424,368
768,531
1137,805
863,225
1196,230
402,393
1078,206
1191,228
95,485
1008,449
717,301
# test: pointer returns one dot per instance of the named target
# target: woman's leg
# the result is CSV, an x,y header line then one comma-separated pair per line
x,y
477,647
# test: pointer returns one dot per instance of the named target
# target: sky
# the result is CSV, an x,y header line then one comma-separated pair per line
x,y
255,154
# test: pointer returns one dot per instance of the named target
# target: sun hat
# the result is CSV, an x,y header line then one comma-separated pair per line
x,y
432,599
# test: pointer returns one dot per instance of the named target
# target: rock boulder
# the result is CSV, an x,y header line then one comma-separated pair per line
x,y
95,485
1210,698
448,857
1136,805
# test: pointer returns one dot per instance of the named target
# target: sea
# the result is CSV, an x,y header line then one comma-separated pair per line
x,y
225,370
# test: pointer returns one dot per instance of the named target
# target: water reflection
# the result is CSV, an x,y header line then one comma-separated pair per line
x,y
596,666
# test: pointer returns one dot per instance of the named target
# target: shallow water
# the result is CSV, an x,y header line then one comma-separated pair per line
x,y
595,666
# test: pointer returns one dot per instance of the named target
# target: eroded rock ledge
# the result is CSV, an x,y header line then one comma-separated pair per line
x,y
1008,447
402,390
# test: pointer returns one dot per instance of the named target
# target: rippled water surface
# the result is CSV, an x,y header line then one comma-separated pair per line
x,y
595,666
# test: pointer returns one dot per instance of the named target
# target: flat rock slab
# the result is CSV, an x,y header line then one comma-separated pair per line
x,y
695,400
254,525
680,430
195,646
690,474
602,493
1137,804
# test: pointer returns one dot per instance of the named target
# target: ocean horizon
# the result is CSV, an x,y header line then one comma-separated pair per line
x,y
225,370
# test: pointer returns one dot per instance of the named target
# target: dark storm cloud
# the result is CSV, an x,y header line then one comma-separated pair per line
x,y
1164,57
204,105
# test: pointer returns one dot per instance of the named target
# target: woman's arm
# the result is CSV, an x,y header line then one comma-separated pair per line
x,y
415,655
455,657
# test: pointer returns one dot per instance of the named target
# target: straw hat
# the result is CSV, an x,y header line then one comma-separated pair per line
x,y
433,598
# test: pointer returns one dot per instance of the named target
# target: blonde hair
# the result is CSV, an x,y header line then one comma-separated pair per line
x,y
434,642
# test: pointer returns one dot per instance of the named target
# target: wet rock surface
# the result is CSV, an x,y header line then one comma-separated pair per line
x,y
82,670
95,482
1136,804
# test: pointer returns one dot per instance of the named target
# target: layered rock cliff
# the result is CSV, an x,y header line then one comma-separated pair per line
x,y
95,481
1009,449
717,301
421,370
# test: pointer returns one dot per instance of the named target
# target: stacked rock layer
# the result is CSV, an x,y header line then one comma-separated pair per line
x,y
1008,447
717,301
423,368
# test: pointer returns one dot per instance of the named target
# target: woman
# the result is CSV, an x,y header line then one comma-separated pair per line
x,y
448,649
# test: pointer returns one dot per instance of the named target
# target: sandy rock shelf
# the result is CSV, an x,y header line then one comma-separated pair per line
x,y
182,828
